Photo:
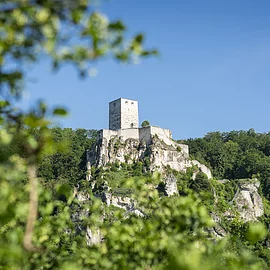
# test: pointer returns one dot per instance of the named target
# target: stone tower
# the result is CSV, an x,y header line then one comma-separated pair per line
x,y
123,114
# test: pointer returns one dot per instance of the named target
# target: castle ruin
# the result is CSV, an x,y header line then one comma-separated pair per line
x,y
124,124
125,141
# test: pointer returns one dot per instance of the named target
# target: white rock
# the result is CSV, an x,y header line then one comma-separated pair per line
x,y
93,236
171,186
248,202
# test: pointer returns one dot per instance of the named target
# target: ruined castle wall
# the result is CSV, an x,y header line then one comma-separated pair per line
x,y
166,136
148,132
122,134
145,134
163,134
130,133
107,134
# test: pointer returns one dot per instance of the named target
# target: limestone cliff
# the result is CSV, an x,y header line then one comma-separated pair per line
x,y
246,204
156,149
247,200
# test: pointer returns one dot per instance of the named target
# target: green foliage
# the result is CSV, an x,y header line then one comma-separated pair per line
x,y
115,174
224,193
204,256
145,123
117,145
68,166
127,158
235,155
171,228
256,232
200,183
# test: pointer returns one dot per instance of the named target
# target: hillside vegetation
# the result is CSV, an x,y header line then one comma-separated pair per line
x,y
235,155
173,233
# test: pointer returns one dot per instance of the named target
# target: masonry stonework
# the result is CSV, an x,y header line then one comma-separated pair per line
x,y
123,114
115,114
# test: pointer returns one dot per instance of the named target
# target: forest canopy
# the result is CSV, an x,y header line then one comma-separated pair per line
x,y
235,155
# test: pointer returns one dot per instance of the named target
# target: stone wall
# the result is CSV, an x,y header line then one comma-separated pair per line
x,y
165,135
145,134
129,114
121,134
115,114
129,133
123,114
202,168
107,134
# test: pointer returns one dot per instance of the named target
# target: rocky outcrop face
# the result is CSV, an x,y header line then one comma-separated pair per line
x,y
125,203
115,150
93,236
217,231
161,155
171,186
202,168
246,204
154,152
121,202
247,200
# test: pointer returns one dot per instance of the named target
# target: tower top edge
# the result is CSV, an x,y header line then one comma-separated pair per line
x,y
123,99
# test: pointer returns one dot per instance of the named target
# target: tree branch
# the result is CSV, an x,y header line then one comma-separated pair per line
x,y
33,207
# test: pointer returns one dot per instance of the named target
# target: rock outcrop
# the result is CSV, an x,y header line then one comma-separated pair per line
x,y
93,236
246,204
125,203
247,200
171,186
157,153
217,230
121,202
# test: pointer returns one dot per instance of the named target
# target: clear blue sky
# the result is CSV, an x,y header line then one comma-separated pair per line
x,y
213,73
